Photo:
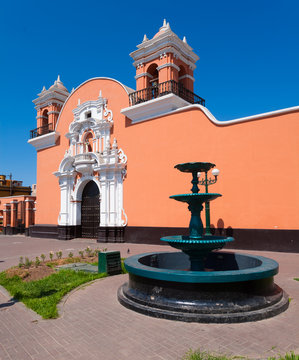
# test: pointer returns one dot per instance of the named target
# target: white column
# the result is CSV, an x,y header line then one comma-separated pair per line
x,y
119,197
112,209
66,182
100,144
104,200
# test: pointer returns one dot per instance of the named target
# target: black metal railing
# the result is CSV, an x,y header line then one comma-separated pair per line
x,y
42,130
164,88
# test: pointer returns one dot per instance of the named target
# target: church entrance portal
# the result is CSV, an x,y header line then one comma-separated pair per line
x,y
90,210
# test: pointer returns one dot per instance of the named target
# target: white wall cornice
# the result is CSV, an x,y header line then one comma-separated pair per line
x,y
168,65
50,98
126,88
187,76
211,117
143,74
154,108
156,55
164,40
44,141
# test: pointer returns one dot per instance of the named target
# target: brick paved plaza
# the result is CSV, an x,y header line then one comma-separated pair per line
x,y
93,325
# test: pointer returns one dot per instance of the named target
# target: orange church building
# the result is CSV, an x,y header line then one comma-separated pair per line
x,y
106,156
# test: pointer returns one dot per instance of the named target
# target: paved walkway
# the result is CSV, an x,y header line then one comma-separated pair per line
x,y
93,325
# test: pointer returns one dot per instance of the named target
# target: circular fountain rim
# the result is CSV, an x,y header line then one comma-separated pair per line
x,y
266,269
205,239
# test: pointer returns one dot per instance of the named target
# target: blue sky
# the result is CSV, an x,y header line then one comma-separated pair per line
x,y
249,56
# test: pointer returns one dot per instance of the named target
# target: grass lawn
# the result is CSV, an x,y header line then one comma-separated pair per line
x,y
42,296
203,355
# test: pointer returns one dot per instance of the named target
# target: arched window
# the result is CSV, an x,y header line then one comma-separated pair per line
x,y
153,81
44,123
182,77
154,78
45,118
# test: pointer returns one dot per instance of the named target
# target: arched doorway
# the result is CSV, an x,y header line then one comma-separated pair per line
x,y
90,210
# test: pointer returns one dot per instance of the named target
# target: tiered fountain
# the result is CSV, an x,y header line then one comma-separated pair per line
x,y
200,284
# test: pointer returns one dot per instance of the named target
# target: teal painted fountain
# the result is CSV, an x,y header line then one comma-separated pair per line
x,y
196,245
201,283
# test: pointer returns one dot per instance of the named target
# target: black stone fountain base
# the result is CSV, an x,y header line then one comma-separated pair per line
x,y
233,288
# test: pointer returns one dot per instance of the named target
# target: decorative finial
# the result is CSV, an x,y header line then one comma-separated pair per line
x,y
73,89
144,38
58,79
44,89
114,145
185,40
164,26
168,26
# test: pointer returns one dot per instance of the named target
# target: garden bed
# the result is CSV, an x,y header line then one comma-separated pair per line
x,y
40,287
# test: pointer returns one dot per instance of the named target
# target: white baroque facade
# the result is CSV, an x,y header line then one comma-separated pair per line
x,y
90,157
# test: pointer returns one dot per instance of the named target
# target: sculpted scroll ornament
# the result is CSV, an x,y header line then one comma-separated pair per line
x,y
108,113
122,157
124,221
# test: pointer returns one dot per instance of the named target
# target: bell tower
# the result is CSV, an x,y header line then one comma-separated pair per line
x,y
165,61
48,106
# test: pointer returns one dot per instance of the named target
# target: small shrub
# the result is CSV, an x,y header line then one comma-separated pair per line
x,y
51,254
21,262
71,255
37,261
28,263
81,253
59,254
43,257
88,251
96,252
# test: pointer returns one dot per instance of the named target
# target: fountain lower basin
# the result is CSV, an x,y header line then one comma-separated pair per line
x,y
233,288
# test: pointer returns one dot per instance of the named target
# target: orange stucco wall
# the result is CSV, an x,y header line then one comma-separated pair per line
x,y
11,200
258,161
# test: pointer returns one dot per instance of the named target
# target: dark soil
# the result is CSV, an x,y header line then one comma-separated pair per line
x,y
44,269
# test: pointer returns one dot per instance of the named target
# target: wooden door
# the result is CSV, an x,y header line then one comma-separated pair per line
x,y
90,210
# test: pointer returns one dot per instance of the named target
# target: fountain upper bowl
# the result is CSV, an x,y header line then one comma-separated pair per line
x,y
195,197
195,166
